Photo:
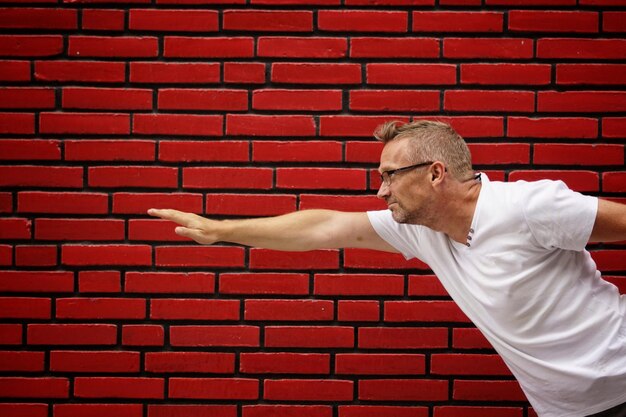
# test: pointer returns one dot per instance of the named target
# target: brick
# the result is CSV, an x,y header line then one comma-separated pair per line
x,y
214,388
215,47
99,282
506,74
411,74
476,390
31,45
394,100
89,361
83,255
485,411
597,74
289,310
139,203
48,202
173,20
426,285
403,390
6,202
72,334
302,47
6,255
39,255
193,309
379,364
26,98
363,151
354,126
268,20
244,72
581,181
614,127
15,70
109,150
84,123
98,410
423,311
366,258
449,21
296,2
534,2
174,72
41,176
169,282
113,46
269,125
572,48
381,411
265,410
250,204
178,410
15,228
16,387
106,98
365,47
362,21
501,48
609,260
21,123
194,362
22,149
390,338
613,182
194,256
484,100
38,18
178,124
142,335
205,99
79,229
358,310
10,334
613,21
472,126
358,284
227,178
278,260
467,364
499,154
284,363
24,409
315,73
153,230
308,389
264,283
133,176
188,151
309,336
321,178
342,203
574,154
119,387
100,308
552,127
469,338
15,361
390,2
553,21
305,100
80,71
581,101
102,19
242,336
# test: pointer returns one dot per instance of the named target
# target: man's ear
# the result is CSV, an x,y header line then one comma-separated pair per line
x,y
437,171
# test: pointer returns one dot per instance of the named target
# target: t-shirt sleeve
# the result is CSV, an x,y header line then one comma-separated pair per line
x,y
559,217
401,236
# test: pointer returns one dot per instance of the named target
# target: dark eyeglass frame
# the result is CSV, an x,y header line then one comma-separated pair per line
x,y
386,176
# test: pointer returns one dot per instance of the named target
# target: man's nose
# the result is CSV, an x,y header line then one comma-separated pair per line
x,y
383,191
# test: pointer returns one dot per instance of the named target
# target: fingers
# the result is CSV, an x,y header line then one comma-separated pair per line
x,y
176,216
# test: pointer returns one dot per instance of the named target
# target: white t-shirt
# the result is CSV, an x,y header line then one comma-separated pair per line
x,y
527,282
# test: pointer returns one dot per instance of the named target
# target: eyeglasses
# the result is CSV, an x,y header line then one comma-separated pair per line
x,y
386,176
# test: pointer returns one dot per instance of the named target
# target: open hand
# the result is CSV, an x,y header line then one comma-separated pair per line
x,y
192,226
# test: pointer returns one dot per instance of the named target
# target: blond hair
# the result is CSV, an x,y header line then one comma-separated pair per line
x,y
431,141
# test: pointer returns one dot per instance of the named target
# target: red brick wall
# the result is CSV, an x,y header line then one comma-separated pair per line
x,y
234,108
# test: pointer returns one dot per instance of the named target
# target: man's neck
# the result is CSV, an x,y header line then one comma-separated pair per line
x,y
456,213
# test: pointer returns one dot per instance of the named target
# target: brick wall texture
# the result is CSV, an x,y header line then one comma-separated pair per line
x,y
234,108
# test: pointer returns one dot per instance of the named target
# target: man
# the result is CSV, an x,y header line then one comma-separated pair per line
x,y
512,256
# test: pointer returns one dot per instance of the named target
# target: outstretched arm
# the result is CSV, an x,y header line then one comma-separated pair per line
x,y
610,225
298,231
